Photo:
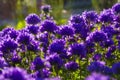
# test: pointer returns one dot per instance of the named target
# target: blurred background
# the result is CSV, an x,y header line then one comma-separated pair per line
x,y
13,12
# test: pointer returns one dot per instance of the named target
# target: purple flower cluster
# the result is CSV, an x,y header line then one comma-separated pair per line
x,y
43,50
14,74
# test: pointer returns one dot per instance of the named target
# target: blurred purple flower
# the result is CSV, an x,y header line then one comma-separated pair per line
x,y
57,46
97,76
78,49
97,36
32,19
71,66
46,8
90,16
8,46
66,30
116,8
38,63
33,29
76,19
48,25
106,16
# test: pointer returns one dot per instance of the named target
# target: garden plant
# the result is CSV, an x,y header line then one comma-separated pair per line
x,y
86,48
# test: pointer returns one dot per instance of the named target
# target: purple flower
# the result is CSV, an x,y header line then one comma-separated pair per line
x,y
81,29
96,67
117,19
46,8
107,71
6,31
78,49
57,46
9,33
15,74
13,34
16,59
33,46
71,66
76,19
116,8
64,55
32,19
43,37
97,36
109,55
24,38
106,16
48,25
116,68
108,30
44,73
66,30
118,45
33,29
97,57
117,25
55,60
38,63
2,63
8,46
107,43
112,48
97,76
89,44
90,16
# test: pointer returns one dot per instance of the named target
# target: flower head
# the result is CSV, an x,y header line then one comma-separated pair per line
x,y
15,74
44,73
33,29
3,63
24,38
32,19
57,46
90,16
76,19
108,30
107,43
33,46
97,36
16,59
38,63
96,67
97,56
8,46
46,8
78,49
97,76
81,29
116,8
55,60
48,25
6,31
71,66
66,31
116,68
106,16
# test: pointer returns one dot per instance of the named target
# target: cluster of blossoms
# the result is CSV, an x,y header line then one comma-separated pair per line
x,y
88,45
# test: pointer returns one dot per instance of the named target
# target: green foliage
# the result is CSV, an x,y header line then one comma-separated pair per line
x,y
103,4
2,27
20,25
57,7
